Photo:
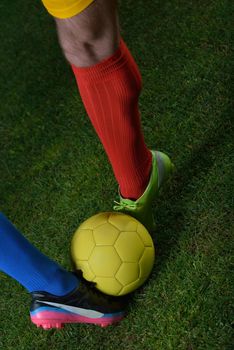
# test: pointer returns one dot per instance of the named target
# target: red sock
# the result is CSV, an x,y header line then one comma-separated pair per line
x,y
110,91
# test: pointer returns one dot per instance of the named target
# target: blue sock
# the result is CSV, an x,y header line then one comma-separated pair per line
x,y
26,264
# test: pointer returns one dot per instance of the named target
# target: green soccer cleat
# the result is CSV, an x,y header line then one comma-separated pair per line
x,y
141,209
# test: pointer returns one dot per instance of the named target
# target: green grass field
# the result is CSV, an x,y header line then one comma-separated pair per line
x,y
54,172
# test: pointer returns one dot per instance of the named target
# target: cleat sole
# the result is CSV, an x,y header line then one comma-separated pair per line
x,y
47,326
50,322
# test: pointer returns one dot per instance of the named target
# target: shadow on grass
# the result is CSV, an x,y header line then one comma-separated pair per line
x,y
171,210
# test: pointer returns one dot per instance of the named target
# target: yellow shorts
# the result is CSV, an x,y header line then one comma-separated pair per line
x,y
65,8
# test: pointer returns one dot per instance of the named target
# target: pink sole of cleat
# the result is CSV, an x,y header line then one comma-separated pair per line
x,y
52,322
104,325
48,326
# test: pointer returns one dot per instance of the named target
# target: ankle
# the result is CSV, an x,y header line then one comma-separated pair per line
x,y
135,192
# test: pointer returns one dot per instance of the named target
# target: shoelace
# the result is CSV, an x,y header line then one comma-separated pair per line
x,y
123,205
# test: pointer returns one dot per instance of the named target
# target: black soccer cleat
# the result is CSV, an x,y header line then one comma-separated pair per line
x,y
85,304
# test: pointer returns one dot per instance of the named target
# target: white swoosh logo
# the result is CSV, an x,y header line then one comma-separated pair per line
x,y
74,310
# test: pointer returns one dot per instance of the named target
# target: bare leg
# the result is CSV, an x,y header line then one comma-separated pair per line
x,y
90,36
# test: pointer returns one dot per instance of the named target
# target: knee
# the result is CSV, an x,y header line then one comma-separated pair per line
x,y
87,49
86,42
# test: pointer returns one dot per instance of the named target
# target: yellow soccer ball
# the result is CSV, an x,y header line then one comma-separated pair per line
x,y
113,250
